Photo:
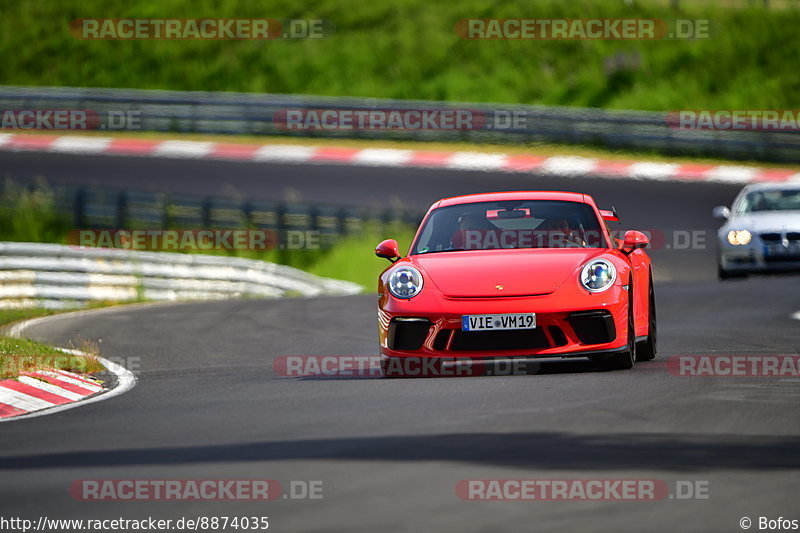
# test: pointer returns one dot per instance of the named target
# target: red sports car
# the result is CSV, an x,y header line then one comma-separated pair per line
x,y
516,275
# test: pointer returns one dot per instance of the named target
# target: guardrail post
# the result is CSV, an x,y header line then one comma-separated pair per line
x,y
165,211
205,213
341,222
80,202
387,217
280,223
247,215
122,209
313,216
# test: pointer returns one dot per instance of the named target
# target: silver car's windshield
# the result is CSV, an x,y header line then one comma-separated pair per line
x,y
510,224
770,200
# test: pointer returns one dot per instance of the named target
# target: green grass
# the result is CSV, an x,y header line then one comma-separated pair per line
x,y
23,355
7,316
409,49
30,215
349,258
353,258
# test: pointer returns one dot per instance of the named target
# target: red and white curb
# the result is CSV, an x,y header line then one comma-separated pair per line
x,y
567,166
44,392
43,389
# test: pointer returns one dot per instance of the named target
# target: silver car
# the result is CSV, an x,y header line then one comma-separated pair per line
x,y
762,232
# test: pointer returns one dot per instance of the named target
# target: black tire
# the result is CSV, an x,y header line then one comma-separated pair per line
x,y
625,360
646,351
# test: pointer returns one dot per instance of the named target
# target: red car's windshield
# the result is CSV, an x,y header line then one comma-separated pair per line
x,y
510,224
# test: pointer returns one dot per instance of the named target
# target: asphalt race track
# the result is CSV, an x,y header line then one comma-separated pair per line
x,y
390,452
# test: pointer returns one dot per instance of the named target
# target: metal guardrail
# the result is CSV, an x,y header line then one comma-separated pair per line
x,y
107,208
57,276
255,114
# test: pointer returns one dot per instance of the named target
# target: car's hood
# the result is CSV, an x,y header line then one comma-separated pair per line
x,y
766,221
478,273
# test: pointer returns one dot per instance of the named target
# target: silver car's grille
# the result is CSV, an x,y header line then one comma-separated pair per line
x,y
793,237
783,247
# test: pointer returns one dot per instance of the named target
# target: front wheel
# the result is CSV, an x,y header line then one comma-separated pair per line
x,y
625,360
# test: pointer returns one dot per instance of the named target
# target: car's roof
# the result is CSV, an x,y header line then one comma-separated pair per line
x,y
515,195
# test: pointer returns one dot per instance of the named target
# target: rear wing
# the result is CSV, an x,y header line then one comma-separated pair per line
x,y
609,215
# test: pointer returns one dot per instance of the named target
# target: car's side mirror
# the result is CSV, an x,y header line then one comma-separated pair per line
x,y
634,240
388,250
721,212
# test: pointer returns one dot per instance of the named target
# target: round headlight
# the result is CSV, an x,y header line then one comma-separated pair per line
x,y
405,282
739,237
598,275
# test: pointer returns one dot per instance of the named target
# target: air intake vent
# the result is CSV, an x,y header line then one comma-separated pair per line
x,y
440,342
484,341
593,327
557,335
407,333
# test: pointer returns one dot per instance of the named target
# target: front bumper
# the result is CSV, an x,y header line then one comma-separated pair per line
x,y
756,258
576,324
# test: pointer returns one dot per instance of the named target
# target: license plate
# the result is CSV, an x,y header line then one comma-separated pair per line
x,y
781,251
498,322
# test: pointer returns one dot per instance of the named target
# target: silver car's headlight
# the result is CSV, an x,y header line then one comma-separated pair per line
x,y
405,282
739,237
598,275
